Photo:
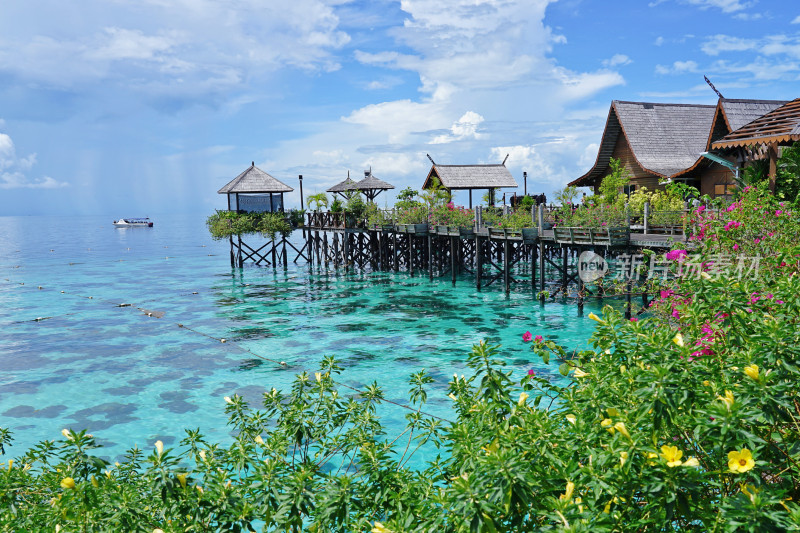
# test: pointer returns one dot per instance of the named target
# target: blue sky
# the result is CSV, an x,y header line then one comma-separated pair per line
x,y
140,107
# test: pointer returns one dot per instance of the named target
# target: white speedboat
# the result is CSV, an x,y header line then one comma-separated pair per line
x,y
133,223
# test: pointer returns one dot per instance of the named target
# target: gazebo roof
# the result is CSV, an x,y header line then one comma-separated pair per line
x,y
343,186
254,180
472,176
370,182
779,126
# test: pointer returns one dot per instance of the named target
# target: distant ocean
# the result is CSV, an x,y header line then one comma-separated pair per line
x,y
78,350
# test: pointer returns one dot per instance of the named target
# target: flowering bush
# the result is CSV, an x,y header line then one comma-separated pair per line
x,y
685,421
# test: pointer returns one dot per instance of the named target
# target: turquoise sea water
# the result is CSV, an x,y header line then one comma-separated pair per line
x,y
132,379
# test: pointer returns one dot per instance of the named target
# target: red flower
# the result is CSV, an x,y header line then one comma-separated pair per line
x,y
527,336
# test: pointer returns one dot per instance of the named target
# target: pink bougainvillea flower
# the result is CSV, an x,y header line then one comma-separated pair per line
x,y
677,255
538,338
634,319
531,372
778,213
527,336
735,246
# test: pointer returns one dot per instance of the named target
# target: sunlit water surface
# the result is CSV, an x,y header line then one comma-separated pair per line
x,y
132,379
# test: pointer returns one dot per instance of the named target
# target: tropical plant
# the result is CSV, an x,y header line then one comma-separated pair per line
x,y
613,183
567,195
319,200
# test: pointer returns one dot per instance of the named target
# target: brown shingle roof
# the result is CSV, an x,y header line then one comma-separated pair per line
x,y
254,180
666,139
472,176
781,125
740,112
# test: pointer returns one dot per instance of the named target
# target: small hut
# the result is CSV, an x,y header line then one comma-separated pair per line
x,y
255,191
371,186
342,187
779,127
469,177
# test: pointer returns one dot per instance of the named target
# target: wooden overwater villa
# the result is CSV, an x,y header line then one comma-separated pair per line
x,y
543,257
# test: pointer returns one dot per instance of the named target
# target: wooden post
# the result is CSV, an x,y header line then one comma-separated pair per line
x,y
395,242
506,267
239,252
581,287
346,250
533,266
541,266
772,153
646,217
478,261
411,253
430,258
541,219
453,259
233,257
564,279
285,255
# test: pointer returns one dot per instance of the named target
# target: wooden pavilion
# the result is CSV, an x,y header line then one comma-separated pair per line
x,y
763,136
663,142
255,191
342,187
470,177
371,186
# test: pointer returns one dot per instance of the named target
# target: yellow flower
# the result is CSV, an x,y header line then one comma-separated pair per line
x,y
620,426
672,455
66,434
607,423
706,383
596,318
752,372
623,456
705,275
678,339
522,397
10,464
580,373
68,483
318,376
452,397
259,439
612,411
159,447
691,461
567,496
727,400
228,400
740,461
182,479
571,419
95,483
380,528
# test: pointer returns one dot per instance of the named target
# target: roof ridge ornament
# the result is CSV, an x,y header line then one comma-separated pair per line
x,y
506,159
713,88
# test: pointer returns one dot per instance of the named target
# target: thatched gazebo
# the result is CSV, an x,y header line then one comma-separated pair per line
x,y
371,186
255,191
342,187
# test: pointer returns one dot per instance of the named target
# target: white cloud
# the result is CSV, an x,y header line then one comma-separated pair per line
x,y
659,41
13,169
464,128
796,20
678,67
725,43
209,44
726,6
617,60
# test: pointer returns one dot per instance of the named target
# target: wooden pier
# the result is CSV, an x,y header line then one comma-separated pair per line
x,y
544,259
